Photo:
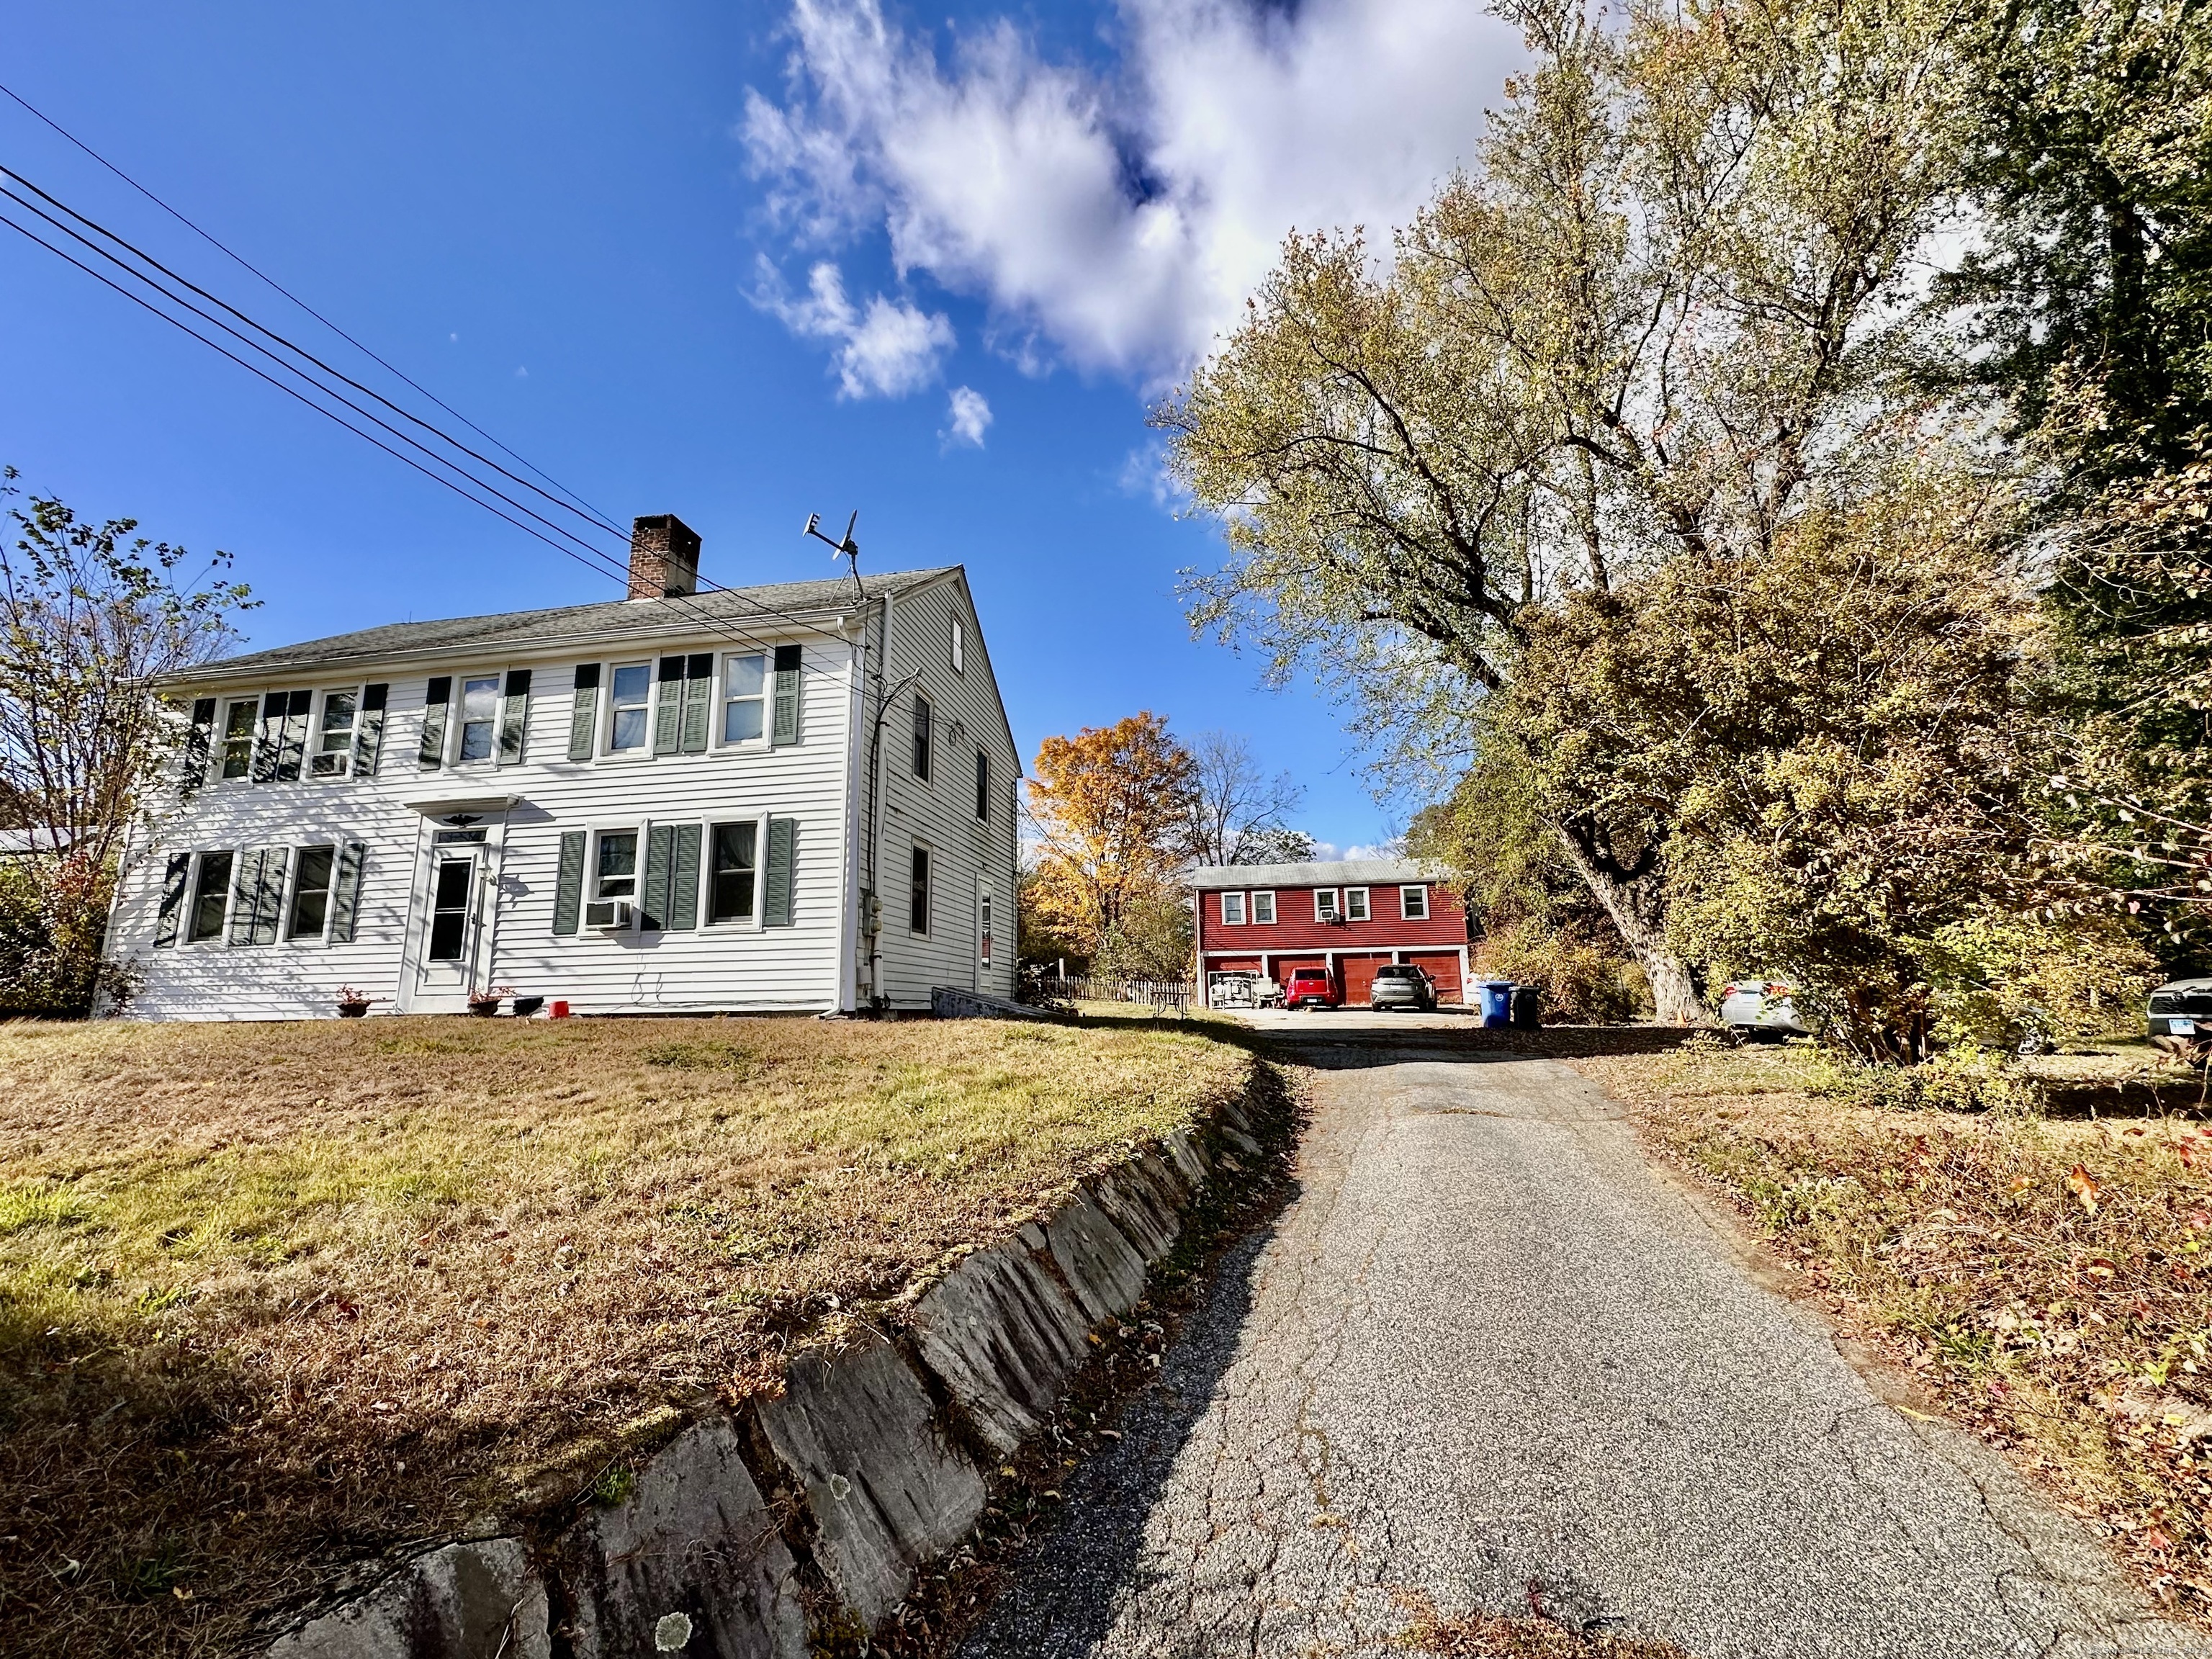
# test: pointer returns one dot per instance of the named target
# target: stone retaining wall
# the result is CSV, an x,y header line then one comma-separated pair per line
x,y
754,1533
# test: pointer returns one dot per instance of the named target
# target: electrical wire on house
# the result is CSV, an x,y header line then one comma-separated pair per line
x,y
569,544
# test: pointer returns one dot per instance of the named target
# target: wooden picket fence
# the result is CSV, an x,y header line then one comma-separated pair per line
x,y
1161,995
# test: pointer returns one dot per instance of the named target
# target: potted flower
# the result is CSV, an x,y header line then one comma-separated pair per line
x,y
485,1002
353,1003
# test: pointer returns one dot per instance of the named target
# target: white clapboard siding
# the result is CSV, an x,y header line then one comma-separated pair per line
x,y
941,813
795,968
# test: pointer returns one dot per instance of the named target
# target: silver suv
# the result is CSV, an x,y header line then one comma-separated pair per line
x,y
1401,985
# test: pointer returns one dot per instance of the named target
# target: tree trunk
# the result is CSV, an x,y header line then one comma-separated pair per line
x,y
1633,898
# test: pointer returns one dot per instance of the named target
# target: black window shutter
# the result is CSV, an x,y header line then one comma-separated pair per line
x,y
345,891
569,890
683,880
267,747
786,726
515,718
698,698
174,880
368,735
584,716
656,891
293,747
199,747
782,872
434,722
667,706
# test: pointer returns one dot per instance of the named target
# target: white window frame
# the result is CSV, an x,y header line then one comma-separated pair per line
x,y
752,923
1229,901
320,731
592,876
959,647
928,891
644,750
1420,891
285,934
724,699
186,931
457,717
1256,905
1332,909
1361,911
223,738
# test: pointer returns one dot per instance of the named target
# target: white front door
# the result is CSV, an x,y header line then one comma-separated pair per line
x,y
449,928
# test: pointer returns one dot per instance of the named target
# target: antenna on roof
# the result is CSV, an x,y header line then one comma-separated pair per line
x,y
848,549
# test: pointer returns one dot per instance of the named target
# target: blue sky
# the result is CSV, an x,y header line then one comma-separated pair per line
x,y
741,263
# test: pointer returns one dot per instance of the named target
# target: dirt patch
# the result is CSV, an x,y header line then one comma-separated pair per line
x,y
1488,1635
275,1297
2043,1278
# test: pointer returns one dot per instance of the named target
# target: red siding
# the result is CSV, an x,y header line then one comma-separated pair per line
x,y
1295,929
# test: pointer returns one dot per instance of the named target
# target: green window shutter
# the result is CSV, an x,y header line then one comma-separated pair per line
x,y
434,722
199,748
785,728
782,871
515,718
345,891
271,741
368,735
568,891
292,743
257,895
667,712
683,880
698,702
654,890
584,717
174,880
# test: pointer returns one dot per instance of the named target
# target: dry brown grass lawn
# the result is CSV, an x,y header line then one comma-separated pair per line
x,y
2045,1276
275,1295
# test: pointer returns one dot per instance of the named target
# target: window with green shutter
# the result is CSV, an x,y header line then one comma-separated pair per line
x,y
670,901
311,893
210,897
175,881
257,895
368,735
698,702
668,705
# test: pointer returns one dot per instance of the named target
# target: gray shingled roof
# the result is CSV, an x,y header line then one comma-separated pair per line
x,y
1342,872
743,608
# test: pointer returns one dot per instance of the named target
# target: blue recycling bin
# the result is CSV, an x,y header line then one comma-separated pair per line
x,y
1497,1002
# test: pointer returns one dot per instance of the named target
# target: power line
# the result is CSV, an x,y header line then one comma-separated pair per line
x,y
592,516
264,276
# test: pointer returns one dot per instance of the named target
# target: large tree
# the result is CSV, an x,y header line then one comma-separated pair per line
x,y
91,618
1109,812
1663,316
1239,812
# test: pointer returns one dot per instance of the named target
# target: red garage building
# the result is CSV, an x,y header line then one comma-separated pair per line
x,y
1349,917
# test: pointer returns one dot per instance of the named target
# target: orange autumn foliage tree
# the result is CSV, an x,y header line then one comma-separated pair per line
x,y
1109,808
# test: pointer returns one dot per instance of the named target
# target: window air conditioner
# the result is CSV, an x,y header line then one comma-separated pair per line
x,y
607,913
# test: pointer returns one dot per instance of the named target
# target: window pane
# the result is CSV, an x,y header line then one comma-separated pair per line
x,y
238,740
734,848
921,740
741,719
920,918
746,677
479,699
338,721
618,864
213,891
1232,909
629,729
632,681
311,895
1263,907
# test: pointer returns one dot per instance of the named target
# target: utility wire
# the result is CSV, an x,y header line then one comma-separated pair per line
x,y
264,276
591,515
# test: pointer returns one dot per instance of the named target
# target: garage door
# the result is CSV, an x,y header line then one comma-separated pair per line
x,y
1359,976
1443,968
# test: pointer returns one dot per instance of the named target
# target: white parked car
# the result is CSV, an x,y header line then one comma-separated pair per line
x,y
2181,1008
1758,1004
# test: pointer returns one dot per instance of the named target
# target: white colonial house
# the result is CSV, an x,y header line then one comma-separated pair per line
x,y
798,797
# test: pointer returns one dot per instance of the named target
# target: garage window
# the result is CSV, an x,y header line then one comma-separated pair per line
x,y
1413,903
1355,904
1263,909
1232,910
1325,904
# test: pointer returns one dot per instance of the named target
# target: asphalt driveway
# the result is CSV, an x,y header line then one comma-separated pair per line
x,y
1489,1354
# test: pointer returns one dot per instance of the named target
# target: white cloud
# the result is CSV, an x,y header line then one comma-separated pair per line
x,y
1120,217
970,413
885,350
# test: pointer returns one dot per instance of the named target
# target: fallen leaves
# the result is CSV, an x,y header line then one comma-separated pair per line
x,y
2083,1186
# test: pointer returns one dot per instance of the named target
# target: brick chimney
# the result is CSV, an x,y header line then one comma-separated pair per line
x,y
664,557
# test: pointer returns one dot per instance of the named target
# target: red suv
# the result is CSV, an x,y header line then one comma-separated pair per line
x,y
1310,987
